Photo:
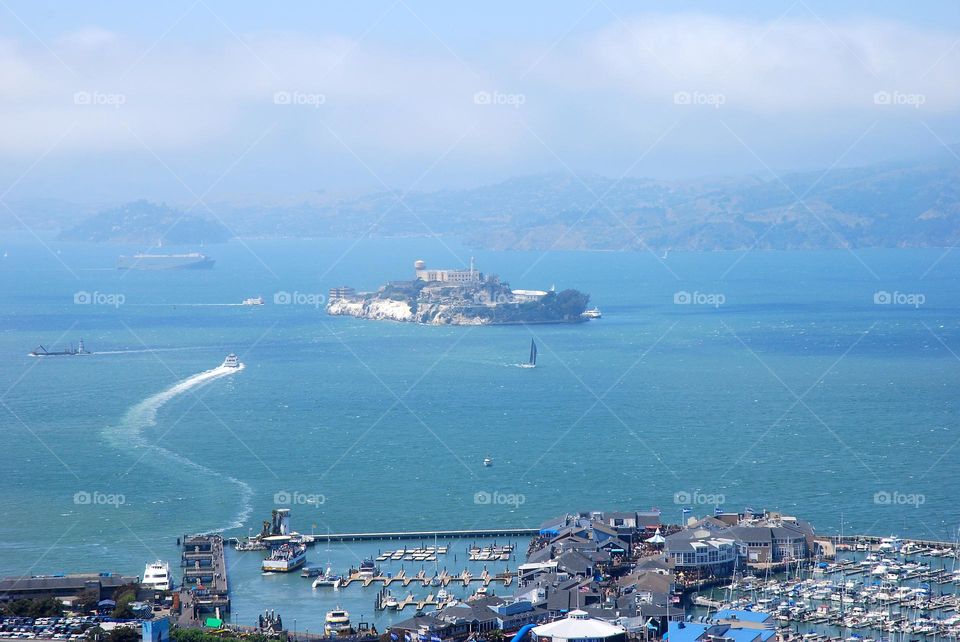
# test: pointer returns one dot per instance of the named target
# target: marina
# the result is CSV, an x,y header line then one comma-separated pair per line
x,y
464,578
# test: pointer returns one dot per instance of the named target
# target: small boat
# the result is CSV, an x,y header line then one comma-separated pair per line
x,y
390,602
253,301
443,596
593,313
311,571
337,622
532,362
232,361
487,461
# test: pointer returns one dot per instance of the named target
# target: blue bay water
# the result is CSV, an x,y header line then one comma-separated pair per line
x,y
798,393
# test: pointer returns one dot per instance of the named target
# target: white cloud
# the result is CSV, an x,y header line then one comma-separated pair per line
x,y
89,38
595,96
790,65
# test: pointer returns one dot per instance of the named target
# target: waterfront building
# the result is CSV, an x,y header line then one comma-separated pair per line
x,y
464,619
702,551
773,538
63,587
578,626
696,632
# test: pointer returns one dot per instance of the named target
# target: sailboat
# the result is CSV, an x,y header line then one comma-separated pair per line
x,y
532,363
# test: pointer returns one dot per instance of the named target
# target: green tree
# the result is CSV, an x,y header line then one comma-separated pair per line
x,y
40,607
86,601
122,610
124,634
572,303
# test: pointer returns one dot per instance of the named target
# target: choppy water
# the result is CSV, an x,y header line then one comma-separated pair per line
x,y
798,392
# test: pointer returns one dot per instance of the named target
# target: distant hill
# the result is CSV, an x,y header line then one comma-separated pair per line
x,y
914,205
147,223
890,205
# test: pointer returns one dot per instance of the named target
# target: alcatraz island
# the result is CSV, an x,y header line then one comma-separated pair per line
x,y
459,297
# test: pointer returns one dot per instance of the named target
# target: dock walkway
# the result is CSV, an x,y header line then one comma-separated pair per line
x,y
205,586
419,535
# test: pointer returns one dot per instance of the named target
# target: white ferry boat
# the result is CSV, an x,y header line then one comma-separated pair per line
x,y
593,313
253,301
156,575
285,558
232,361
337,623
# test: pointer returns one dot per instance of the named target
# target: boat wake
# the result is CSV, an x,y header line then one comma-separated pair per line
x,y
150,350
143,415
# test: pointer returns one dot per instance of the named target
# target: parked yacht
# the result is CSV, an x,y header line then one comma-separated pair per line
x,y
368,568
156,575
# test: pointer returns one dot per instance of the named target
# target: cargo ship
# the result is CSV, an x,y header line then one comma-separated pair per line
x,y
40,351
191,261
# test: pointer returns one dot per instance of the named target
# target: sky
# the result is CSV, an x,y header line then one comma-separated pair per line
x,y
110,101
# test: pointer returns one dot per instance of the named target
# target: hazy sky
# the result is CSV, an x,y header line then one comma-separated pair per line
x,y
114,100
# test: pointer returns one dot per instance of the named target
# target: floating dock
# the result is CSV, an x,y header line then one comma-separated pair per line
x,y
444,578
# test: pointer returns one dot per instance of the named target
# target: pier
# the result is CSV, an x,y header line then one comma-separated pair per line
x,y
205,588
418,535
442,579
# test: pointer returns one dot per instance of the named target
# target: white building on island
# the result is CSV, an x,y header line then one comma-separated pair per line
x,y
459,277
